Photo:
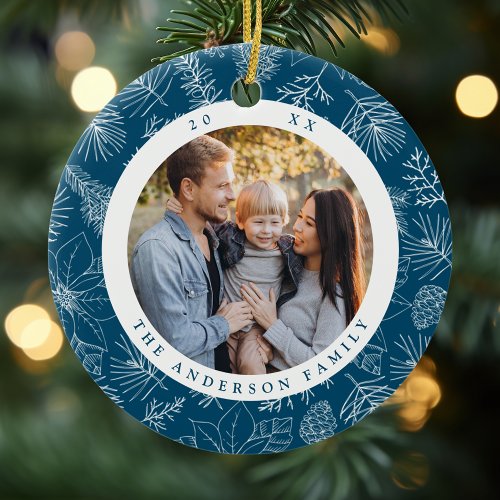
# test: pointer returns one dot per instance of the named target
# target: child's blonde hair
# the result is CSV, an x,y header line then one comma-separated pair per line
x,y
262,198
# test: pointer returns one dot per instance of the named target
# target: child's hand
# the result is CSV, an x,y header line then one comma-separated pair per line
x,y
174,205
265,349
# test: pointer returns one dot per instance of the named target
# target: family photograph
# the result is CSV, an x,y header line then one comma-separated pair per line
x,y
250,250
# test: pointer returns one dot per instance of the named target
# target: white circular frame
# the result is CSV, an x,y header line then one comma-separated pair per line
x,y
385,251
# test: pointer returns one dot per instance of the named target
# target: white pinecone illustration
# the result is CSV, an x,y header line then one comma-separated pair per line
x,y
428,306
318,423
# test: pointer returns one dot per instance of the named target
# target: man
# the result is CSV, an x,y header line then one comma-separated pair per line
x,y
176,269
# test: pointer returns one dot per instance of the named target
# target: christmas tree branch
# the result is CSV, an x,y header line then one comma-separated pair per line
x,y
290,23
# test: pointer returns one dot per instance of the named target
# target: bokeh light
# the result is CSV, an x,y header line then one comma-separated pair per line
x,y
50,347
383,40
74,50
19,325
418,395
411,471
92,88
476,96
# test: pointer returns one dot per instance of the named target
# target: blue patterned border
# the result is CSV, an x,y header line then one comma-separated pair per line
x,y
75,251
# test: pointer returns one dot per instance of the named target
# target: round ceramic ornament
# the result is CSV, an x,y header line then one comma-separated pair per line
x,y
135,365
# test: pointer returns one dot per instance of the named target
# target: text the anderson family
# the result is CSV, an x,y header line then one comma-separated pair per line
x,y
200,380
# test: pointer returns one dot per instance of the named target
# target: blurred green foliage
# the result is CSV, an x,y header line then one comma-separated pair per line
x,y
61,437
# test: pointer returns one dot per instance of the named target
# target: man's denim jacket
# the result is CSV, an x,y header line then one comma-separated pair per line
x,y
170,276
232,249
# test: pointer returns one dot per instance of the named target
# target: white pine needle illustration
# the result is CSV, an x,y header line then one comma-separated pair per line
x,y
152,126
268,60
274,405
205,399
432,251
58,217
363,399
95,197
110,391
305,395
146,91
401,368
424,180
374,125
328,382
215,51
343,73
304,90
199,84
136,373
399,200
156,413
104,136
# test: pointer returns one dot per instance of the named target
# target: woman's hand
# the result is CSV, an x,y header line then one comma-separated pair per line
x,y
174,205
263,308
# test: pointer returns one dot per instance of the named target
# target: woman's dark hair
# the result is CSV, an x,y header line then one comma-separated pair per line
x,y
338,226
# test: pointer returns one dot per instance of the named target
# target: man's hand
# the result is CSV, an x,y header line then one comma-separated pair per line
x,y
174,205
237,314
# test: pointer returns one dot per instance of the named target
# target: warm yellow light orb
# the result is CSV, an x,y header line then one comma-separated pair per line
x,y
74,50
50,347
92,88
35,334
476,96
383,40
424,390
18,325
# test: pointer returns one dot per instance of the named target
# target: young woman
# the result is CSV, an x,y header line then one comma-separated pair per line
x,y
330,288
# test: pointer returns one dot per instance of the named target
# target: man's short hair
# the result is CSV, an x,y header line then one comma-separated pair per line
x,y
262,198
193,158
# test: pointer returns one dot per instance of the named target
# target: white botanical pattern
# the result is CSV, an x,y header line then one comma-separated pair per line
x,y
237,432
146,91
152,126
402,366
318,423
94,196
375,126
304,90
402,276
400,201
343,73
428,306
198,82
423,180
156,412
268,66
298,57
370,358
363,399
205,400
59,217
125,163
135,374
105,136
215,51
397,306
430,246
110,391
275,405
80,296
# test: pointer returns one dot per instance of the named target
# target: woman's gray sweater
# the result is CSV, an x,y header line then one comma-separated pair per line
x,y
307,324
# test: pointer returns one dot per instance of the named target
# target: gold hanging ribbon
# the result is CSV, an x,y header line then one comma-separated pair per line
x,y
247,36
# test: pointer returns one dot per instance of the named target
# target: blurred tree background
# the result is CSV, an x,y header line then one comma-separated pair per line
x,y
293,162
61,437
